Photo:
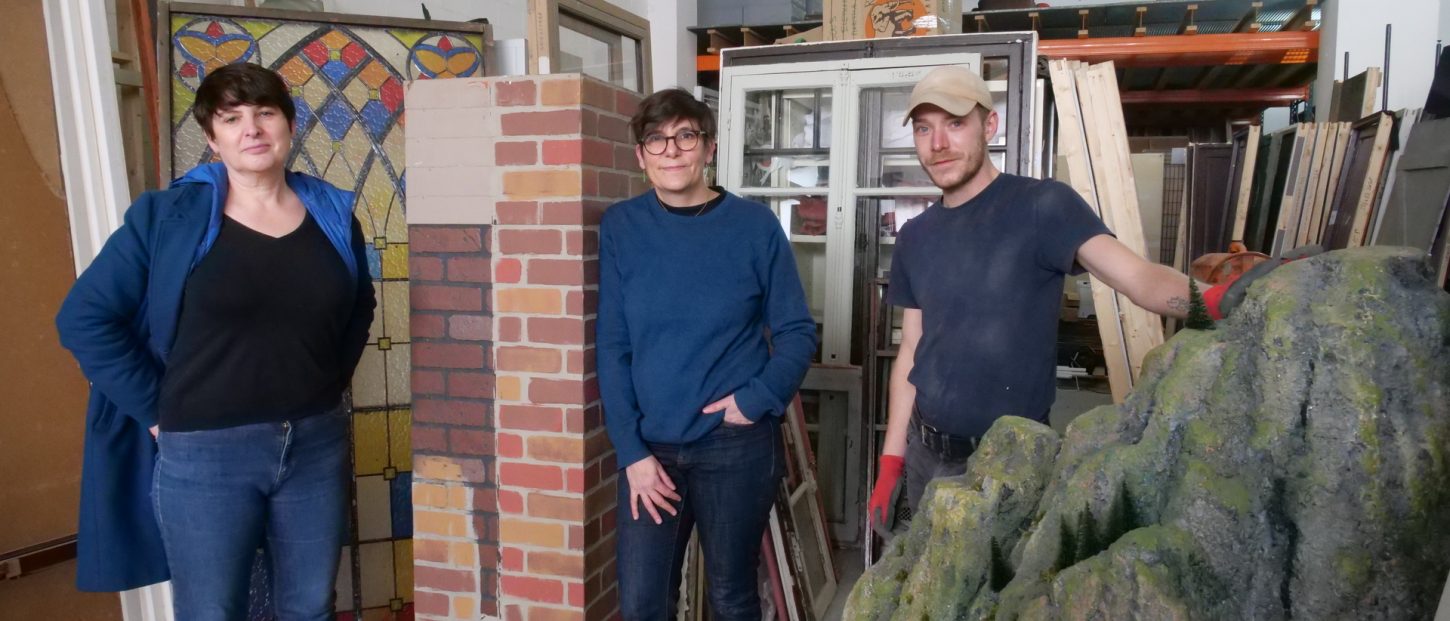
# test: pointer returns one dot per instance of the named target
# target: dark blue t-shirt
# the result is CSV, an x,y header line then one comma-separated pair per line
x,y
987,276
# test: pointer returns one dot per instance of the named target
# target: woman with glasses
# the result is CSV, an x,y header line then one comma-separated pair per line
x,y
703,337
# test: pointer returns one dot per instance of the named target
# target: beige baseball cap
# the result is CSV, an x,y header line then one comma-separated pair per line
x,y
952,88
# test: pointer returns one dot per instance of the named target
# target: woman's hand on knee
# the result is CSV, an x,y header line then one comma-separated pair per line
x,y
650,486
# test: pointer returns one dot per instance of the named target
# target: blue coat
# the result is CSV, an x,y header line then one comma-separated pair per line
x,y
120,319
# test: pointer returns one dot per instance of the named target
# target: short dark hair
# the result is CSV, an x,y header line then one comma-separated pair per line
x,y
238,84
669,105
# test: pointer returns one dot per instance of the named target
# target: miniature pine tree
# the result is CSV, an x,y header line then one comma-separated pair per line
x,y
1198,318
1066,546
1087,535
1121,517
1001,570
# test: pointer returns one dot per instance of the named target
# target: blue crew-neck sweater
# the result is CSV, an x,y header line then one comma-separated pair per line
x,y
684,306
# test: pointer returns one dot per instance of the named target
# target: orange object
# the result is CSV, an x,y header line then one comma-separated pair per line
x,y
1219,267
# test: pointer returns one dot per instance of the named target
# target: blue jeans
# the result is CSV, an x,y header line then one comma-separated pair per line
x,y
727,482
222,494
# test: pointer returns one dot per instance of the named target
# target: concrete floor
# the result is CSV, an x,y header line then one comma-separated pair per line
x,y
1070,403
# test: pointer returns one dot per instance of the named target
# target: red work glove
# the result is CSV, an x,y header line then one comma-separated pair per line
x,y
886,480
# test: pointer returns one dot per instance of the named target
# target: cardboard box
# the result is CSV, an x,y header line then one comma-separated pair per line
x,y
876,19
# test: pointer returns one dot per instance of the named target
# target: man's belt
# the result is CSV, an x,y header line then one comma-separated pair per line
x,y
946,446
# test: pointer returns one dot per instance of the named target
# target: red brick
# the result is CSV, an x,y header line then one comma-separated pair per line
x,y
449,355
589,182
556,449
470,327
580,303
445,238
426,326
574,482
470,441
558,331
509,445
578,362
559,272
598,95
454,580
557,564
626,157
614,185
430,550
425,268
610,128
513,613
533,589
530,242
510,501
625,103
581,243
485,499
513,559
574,420
450,412
427,382
552,123
563,151
508,271
515,154
517,212
576,595
469,269
530,476
429,603
563,212
510,329
529,359
429,438
606,606
468,385
598,153
520,93
569,392
530,418
443,297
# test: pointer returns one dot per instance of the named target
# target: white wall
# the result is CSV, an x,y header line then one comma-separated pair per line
x,y
1358,27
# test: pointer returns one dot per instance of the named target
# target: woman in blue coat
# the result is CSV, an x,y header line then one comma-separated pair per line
x,y
224,319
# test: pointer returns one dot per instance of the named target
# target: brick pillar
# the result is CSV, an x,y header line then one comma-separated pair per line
x,y
565,156
450,213
512,173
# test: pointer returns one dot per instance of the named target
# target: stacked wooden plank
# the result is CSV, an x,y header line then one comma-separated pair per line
x,y
1332,183
1093,142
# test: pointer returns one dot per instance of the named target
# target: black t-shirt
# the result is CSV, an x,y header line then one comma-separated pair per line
x,y
987,276
260,333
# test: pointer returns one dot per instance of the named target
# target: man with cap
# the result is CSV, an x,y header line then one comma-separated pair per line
x,y
980,276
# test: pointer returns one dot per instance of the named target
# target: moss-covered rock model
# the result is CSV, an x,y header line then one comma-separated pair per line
x,y
1293,463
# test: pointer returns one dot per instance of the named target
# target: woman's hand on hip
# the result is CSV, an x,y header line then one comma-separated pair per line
x,y
733,414
650,486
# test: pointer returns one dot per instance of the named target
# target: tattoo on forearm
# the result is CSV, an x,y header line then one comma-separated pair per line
x,y
1178,304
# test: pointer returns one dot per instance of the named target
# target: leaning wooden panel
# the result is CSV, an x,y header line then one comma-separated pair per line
x,y
1379,128
1246,167
1117,194
1313,183
1329,180
1300,153
1072,148
1405,123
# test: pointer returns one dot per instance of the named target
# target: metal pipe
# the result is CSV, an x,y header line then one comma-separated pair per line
x,y
1385,92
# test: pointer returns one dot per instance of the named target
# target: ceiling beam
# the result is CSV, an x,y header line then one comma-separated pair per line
x,y
1302,19
1259,48
1250,21
1267,97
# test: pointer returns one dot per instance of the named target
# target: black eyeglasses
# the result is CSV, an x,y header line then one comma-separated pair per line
x,y
687,140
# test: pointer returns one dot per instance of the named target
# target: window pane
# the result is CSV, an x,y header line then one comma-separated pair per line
x,y
598,53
